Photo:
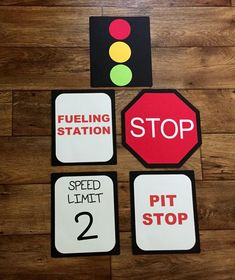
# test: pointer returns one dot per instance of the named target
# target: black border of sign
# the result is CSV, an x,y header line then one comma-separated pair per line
x,y
136,250
116,249
54,160
165,165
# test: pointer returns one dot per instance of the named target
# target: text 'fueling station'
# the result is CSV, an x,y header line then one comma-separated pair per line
x,y
92,124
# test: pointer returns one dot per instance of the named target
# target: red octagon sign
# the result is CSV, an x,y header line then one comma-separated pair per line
x,y
161,128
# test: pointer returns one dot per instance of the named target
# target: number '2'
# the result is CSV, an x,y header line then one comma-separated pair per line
x,y
82,235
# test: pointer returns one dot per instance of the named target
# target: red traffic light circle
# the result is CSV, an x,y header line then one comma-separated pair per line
x,y
161,128
119,29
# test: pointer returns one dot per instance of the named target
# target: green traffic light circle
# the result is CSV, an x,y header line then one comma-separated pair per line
x,y
121,75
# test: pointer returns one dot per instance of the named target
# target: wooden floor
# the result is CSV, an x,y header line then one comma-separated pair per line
x,y
44,45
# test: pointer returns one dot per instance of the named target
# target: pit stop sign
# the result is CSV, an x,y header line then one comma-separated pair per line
x,y
161,128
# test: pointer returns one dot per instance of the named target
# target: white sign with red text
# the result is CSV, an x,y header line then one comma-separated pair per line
x,y
164,212
83,127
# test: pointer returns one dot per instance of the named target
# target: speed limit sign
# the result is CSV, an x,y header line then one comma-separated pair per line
x,y
84,214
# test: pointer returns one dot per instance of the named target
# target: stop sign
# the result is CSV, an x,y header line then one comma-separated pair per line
x,y
161,128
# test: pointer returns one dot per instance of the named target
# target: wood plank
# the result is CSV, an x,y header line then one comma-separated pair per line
x,y
32,113
193,67
29,255
46,276
43,68
68,68
32,110
69,27
216,209
5,113
215,201
214,119
25,209
186,27
27,160
45,26
5,119
215,246
5,96
118,3
218,157
233,2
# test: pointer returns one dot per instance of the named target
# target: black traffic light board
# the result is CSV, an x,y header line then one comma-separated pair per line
x,y
120,52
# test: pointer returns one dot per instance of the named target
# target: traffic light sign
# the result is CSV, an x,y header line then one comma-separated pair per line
x,y
120,51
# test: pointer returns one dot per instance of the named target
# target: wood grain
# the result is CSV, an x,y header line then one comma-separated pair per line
x,y
118,3
5,113
218,157
186,26
75,276
69,27
216,109
25,209
215,246
52,27
5,119
32,113
5,96
29,257
215,207
193,67
27,160
42,68
68,68
32,110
